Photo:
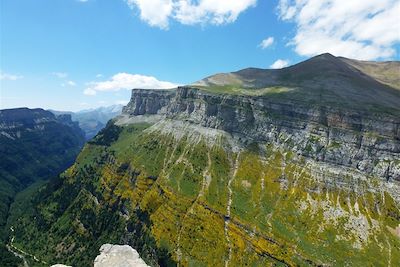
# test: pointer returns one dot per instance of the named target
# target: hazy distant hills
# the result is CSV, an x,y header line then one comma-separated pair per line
x,y
91,121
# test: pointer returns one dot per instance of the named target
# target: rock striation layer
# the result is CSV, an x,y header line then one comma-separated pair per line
x,y
367,142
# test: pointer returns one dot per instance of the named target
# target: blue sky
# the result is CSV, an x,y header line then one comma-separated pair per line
x,y
77,54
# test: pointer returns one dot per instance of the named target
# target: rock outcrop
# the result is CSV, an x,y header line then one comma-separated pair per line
x,y
118,256
115,256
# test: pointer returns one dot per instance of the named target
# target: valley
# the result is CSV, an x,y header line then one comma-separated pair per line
x,y
35,146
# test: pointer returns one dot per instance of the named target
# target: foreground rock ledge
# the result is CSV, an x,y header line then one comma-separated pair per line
x,y
116,256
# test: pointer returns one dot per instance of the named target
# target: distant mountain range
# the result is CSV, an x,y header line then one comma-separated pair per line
x,y
91,121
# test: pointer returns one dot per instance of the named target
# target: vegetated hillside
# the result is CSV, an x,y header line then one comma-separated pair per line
x,y
215,174
384,72
35,145
321,80
91,121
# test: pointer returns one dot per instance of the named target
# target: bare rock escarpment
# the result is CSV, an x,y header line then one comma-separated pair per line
x,y
366,142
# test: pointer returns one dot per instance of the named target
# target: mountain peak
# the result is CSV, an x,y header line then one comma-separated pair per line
x,y
325,56
321,79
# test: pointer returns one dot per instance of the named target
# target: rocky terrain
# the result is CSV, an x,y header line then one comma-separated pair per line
x,y
116,256
291,167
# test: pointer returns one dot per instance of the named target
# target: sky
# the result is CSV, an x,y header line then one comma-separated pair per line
x,y
80,54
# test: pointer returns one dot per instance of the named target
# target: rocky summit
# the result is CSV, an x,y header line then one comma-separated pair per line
x,y
291,167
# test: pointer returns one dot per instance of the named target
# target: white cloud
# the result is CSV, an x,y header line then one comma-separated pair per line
x,y
71,83
89,91
158,13
279,64
126,81
99,75
60,75
357,29
266,42
10,77
154,12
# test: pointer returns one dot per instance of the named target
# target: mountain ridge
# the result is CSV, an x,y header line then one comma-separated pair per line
x,y
325,78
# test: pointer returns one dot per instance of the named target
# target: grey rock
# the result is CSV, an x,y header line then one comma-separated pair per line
x,y
118,256
366,141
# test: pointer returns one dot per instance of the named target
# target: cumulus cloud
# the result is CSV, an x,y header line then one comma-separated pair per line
x,y
126,81
89,91
358,29
154,12
279,64
266,42
158,13
9,77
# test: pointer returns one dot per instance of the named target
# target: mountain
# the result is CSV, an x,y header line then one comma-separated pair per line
x,y
322,80
384,72
291,167
91,121
35,145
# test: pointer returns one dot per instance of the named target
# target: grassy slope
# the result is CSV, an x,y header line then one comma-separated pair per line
x,y
277,215
324,80
385,72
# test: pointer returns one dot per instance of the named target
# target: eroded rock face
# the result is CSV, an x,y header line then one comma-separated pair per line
x,y
368,142
148,101
118,256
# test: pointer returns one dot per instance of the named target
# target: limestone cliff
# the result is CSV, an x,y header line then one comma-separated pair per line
x,y
367,142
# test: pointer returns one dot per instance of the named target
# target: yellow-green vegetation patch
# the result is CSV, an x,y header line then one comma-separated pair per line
x,y
240,90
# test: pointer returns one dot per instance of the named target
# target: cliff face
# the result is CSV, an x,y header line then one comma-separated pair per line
x,y
367,142
148,102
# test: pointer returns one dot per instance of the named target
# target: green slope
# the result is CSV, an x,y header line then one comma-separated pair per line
x,y
324,80
35,145
201,201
